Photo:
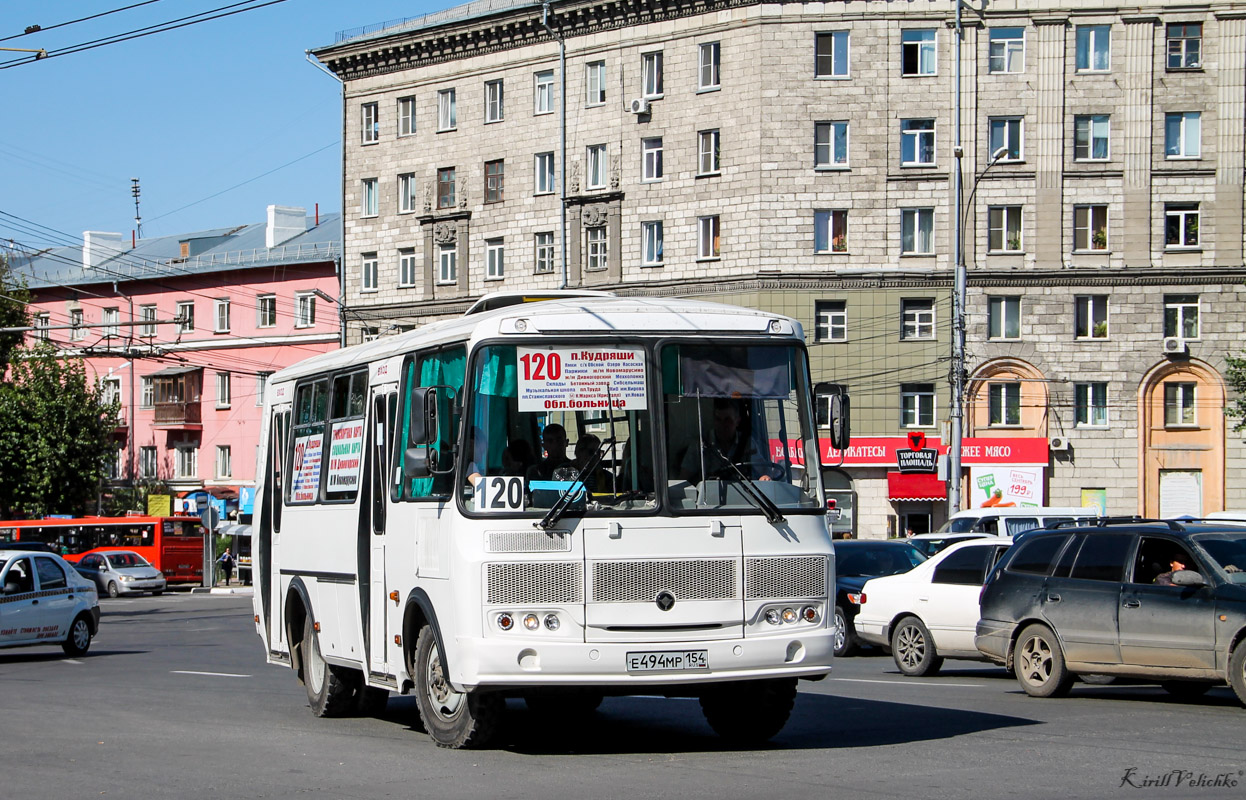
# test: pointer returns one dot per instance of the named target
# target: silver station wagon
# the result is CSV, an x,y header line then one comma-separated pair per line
x,y
44,601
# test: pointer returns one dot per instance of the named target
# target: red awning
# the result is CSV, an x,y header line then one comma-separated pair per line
x,y
915,486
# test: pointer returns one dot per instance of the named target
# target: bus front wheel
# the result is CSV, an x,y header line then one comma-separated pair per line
x,y
328,693
453,719
749,712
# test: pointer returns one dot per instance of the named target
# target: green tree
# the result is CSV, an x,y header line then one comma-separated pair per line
x,y
1236,376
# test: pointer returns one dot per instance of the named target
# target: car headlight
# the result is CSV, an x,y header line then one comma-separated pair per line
x,y
126,578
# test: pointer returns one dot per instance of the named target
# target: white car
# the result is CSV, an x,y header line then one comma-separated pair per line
x,y
931,611
931,543
46,601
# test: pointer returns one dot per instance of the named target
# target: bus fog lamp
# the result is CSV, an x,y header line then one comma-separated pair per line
x,y
772,616
551,622
506,621
789,615
531,622
809,613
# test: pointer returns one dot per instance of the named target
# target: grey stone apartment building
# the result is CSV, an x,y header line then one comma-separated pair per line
x,y
797,157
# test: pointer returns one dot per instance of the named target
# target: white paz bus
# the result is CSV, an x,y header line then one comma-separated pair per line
x,y
553,498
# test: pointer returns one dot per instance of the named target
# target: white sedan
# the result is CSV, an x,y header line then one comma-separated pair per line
x,y
931,611
45,601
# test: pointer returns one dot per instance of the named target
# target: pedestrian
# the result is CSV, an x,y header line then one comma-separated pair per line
x,y
227,565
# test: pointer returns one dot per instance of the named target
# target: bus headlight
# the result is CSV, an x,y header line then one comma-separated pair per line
x,y
552,622
531,622
789,615
506,621
772,616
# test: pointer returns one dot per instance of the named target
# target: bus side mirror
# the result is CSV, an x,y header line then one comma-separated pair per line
x,y
839,421
419,462
423,423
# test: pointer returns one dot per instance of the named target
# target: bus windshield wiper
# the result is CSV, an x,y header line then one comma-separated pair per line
x,y
751,493
563,502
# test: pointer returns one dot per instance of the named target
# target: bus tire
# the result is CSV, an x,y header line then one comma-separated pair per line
x,y
749,712
78,640
113,591
328,693
453,719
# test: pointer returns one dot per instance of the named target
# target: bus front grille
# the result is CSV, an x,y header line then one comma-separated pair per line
x,y
529,542
535,582
641,581
772,578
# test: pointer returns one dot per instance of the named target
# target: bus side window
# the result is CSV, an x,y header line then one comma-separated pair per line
x,y
444,368
311,400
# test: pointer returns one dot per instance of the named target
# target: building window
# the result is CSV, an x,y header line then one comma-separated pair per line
x,y
830,323
543,93
596,243
544,242
368,206
406,116
110,318
595,81
495,180
1179,404
917,318
1090,404
1090,137
822,402
1004,403
651,244
187,462
1005,134
111,390
407,199
651,159
147,462
708,162
830,231
371,119
544,173
1007,53
447,264
917,52
1182,134
406,267
261,385
222,316
707,238
493,101
707,66
1181,315
445,188
1180,225
368,279
447,110
1090,227
917,405
224,461
1090,316
147,393
1094,48
146,313
596,172
304,310
916,231
224,390
186,316
77,332
830,58
651,74
1004,229
266,311
917,142
1185,45
830,145
495,259
1003,317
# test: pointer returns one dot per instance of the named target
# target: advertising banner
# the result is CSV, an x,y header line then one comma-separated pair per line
x,y
305,477
345,455
1006,487
572,379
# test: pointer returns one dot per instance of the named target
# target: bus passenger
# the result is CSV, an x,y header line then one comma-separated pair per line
x,y
726,444
517,458
554,437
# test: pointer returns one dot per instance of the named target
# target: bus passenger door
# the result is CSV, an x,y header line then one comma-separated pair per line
x,y
384,408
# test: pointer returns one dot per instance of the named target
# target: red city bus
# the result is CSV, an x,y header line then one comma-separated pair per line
x,y
173,545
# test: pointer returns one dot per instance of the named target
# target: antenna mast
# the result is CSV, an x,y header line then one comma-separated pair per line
x,y
138,220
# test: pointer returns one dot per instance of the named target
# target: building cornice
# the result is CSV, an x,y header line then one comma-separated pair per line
x,y
1145,276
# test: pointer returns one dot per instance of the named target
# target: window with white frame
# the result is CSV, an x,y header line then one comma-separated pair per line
x,y
595,82
187,462
830,59
369,281
1090,137
371,121
1007,50
1090,227
146,313
445,188
830,230
186,313
917,142
116,463
595,175
147,392
1179,404
651,74
224,390
708,162
1005,134
266,311
1090,316
406,267
651,159
1180,225
147,462
1004,403
111,317
493,101
304,310
822,402
707,66
830,323
651,243
1003,317
368,201
544,173
707,237
222,315
543,241
1185,45
830,144
1094,48
261,385
917,318
76,320
1182,134
917,405
543,92
495,181
42,321
447,110
224,461
110,390
1004,229
917,52
917,231
447,264
406,116
1181,315
596,244
495,259
1090,405
408,201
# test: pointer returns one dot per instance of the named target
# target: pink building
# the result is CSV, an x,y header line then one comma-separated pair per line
x,y
185,330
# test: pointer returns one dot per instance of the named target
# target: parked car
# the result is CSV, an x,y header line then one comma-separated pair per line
x,y
119,572
856,561
1012,520
931,543
33,547
1158,600
930,612
46,602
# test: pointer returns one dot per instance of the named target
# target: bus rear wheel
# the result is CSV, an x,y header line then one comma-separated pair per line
x,y
329,693
749,712
453,719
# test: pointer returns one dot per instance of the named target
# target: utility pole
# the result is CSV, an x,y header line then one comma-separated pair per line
x,y
959,295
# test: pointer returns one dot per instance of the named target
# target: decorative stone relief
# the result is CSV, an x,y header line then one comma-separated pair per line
x,y
428,198
573,181
594,216
445,233
463,192
616,170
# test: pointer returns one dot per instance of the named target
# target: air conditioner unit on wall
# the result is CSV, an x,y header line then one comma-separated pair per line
x,y
1058,443
640,106
1174,345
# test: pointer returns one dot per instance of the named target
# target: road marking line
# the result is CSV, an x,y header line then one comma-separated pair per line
x,y
211,674
906,683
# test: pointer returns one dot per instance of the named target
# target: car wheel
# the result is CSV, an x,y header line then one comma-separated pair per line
x,y
913,649
329,693
1237,671
1186,690
1097,680
845,636
749,712
453,719
78,641
1039,663
113,591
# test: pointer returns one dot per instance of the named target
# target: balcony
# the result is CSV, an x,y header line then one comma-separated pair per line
x,y
178,403
179,414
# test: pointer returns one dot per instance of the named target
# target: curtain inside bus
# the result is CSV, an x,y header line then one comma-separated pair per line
x,y
443,368
498,382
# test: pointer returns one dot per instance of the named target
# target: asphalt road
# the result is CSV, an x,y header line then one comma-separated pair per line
x,y
174,700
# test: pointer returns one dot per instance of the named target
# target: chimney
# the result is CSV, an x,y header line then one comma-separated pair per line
x,y
98,247
284,223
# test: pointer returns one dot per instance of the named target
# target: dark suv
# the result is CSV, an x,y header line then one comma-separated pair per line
x,y
1140,598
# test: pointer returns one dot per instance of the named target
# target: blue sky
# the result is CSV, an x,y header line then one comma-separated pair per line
x,y
191,113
